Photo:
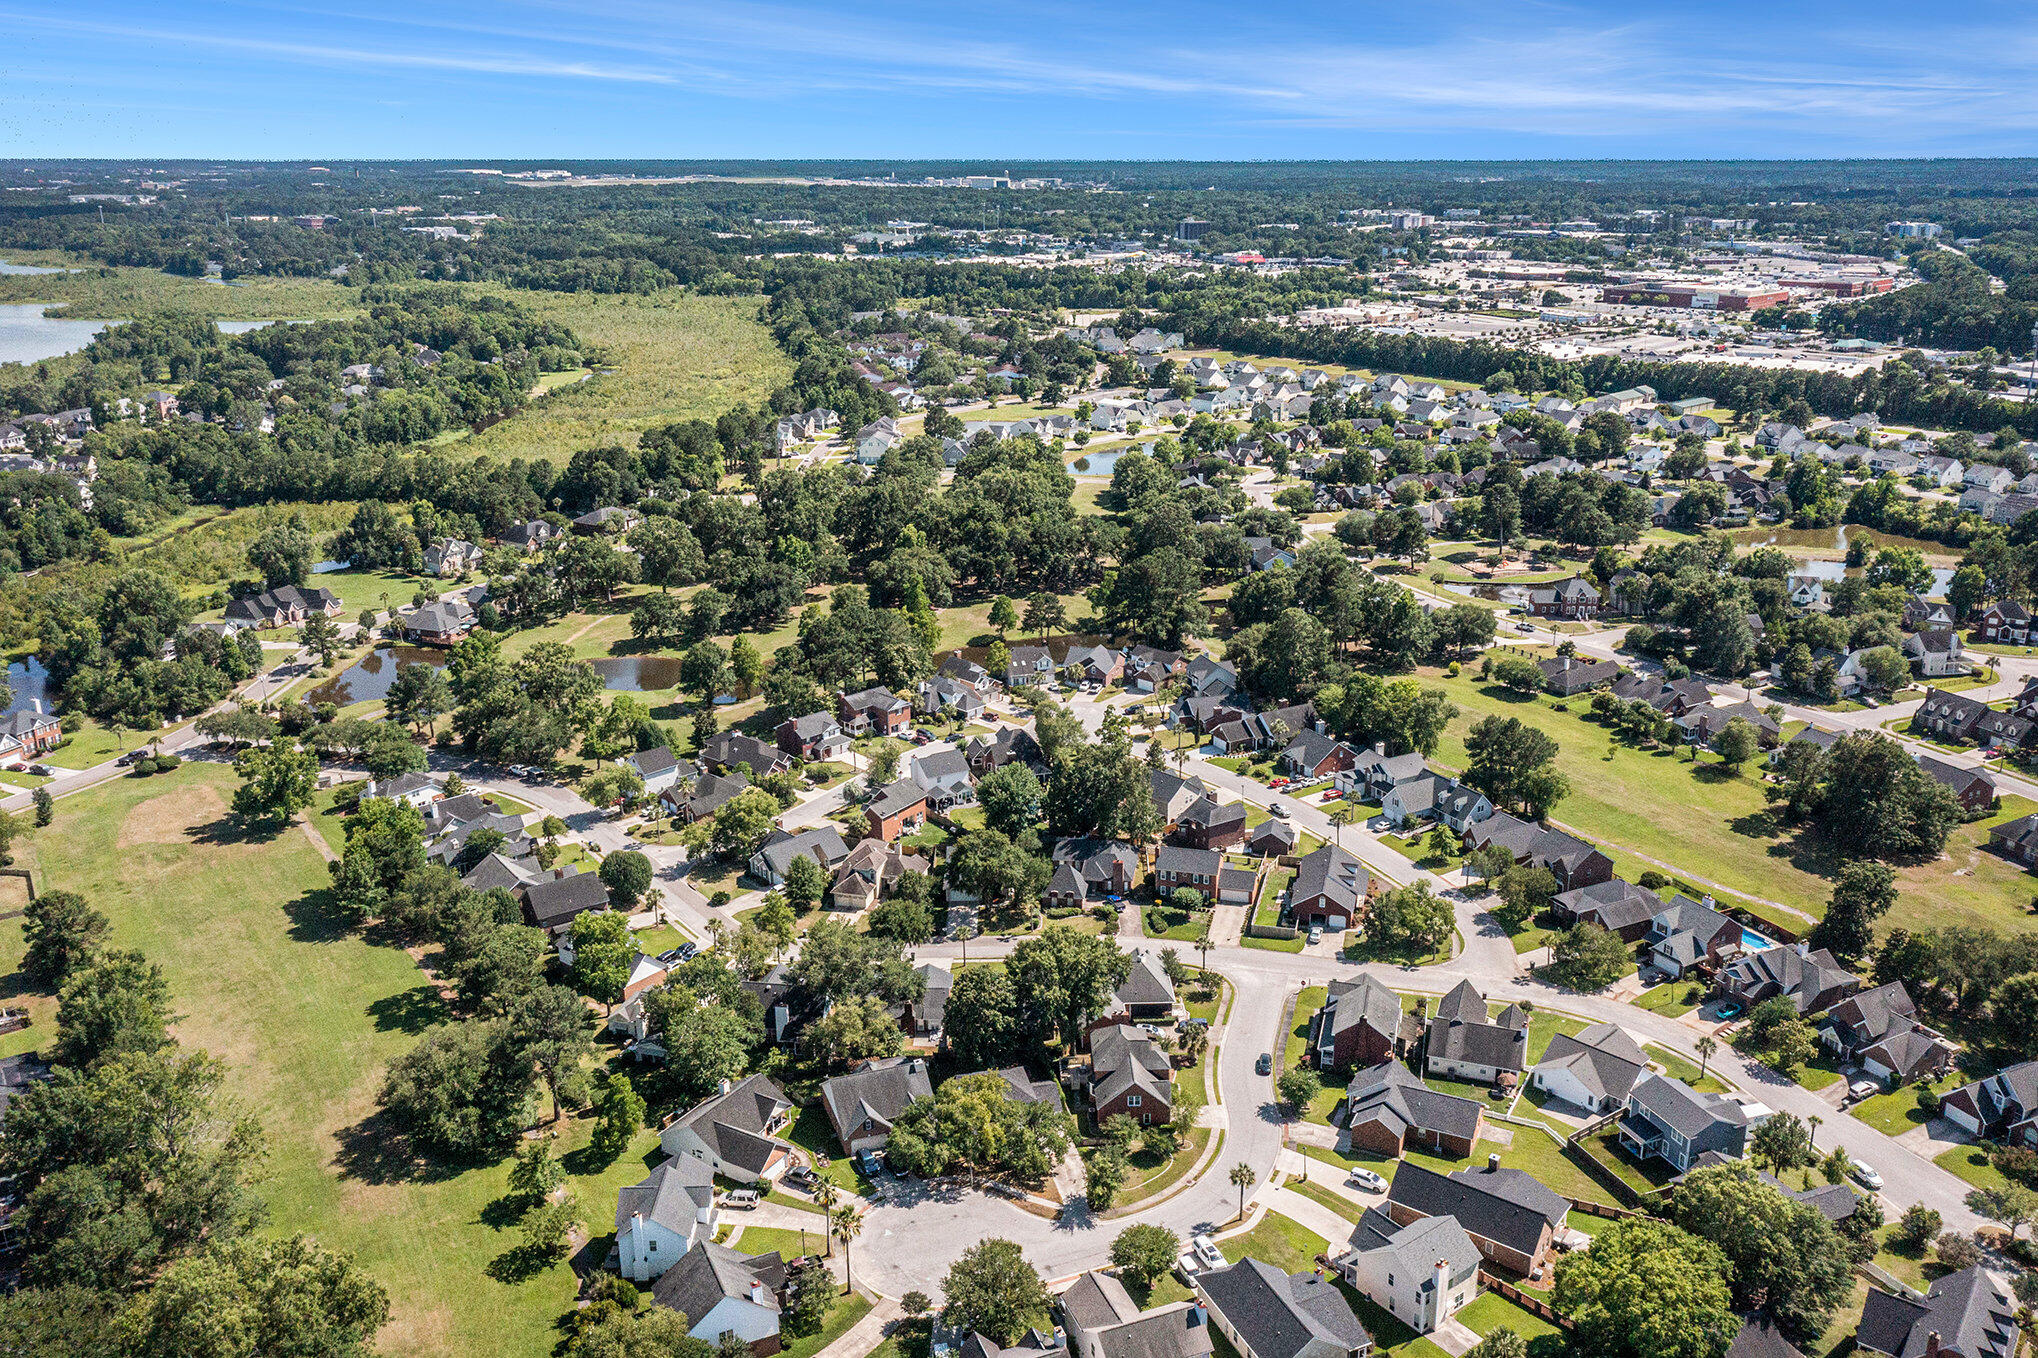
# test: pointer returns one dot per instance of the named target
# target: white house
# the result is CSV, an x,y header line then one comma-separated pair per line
x,y
944,776
725,1291
658,1220
659,769
1421,1274
735,1133
412,789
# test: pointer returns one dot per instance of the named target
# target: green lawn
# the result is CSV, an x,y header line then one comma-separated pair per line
x,y
1896,1113
1491,1311
1673,998
1532,1152
1971,1163
93,744
307,1014
812,1133
765,1239
1677,1068
1286,1244
1336,1202
1706,820
841,1316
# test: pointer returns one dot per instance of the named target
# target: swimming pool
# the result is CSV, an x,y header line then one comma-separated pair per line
x,y
1754,942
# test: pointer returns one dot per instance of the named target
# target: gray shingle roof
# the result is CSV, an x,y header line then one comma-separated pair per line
x,y
669,1195
1500,1209
1279,1315
709,1273
877,1093
1970,1312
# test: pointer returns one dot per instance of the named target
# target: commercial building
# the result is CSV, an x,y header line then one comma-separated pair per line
x,y
1691,296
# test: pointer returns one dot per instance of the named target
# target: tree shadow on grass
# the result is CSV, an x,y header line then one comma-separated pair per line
x,y
317,917
409,1011
505,1211
375,1151
518,1264
230,829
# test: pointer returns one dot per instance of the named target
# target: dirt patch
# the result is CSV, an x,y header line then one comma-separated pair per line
x,y
173,818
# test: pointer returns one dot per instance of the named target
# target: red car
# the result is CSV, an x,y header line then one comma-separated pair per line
x,y
1333,795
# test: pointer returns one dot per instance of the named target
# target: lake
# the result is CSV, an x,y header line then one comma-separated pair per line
x,y
637,673
369,677
28,336
28,270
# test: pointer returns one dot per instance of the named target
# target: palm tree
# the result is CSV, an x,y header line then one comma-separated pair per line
x,y
1347,813
1815,1122
843,1224
963,935
1705,1047
1203,946
1242,1178
825,1197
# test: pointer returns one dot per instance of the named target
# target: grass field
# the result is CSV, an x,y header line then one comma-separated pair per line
x,y
1287,1245
1674,998
103,293
1703,819
1971,1163
1491,1311
307,1014
676,356
1897,1113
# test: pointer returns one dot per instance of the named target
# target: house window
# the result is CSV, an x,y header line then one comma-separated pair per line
x,y
1133,1100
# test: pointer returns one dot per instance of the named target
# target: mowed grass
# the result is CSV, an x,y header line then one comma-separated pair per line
x,y
307,1014
1704,820
675,355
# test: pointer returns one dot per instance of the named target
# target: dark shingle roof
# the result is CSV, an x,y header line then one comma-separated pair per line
x,y
1282,1316
1502,1212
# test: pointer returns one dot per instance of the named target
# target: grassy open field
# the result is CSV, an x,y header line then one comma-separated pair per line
x,y
106,293
1705,820
676,356
307,1014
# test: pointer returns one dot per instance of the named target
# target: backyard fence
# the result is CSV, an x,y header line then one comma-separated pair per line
x,y
1528,1301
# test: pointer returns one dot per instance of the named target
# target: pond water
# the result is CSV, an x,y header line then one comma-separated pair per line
x,y
328,567
30,684
28,336
637,673
370,677
1098,464
27,270
242,327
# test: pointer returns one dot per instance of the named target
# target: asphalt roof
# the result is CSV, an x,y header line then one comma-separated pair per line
x,y
1282,1316
1501,1210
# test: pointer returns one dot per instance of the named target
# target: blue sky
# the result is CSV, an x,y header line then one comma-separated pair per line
x,y
1191,79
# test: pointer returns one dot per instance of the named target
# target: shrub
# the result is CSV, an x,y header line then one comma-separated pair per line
x,y
1104,913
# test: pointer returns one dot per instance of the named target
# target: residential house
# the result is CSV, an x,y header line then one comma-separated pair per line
x,y
530,537
2000,1107
284,606
735,1133
1975,789
1010,743
1388,1109
1936,653
1970,1314
966,671
660,769
1359,1025
870,872
874,712
863,1104
923,1017
1174,794
1617,906
1129,1074
607,521
1879,1030
1512,1217
1572,861
1272,838
417,790
813,738
2005,621
29,732
1030,665
1668,1120
941,695
898,808
1566,675
1464,1043
1687,932
1701,724
1098,665
1422,1274
1267,1313
1374,773
439,624
726,1292
707,795
661,1218
2017,839
823,843
1312,754
1146,994
1089,867
944,776
1211,824
1330,888
552,903
1573,598
1177,868
1102,1321
1813,981
452,556
726,750
1594,1070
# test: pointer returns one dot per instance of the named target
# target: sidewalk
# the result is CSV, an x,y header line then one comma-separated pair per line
x,y
865,1334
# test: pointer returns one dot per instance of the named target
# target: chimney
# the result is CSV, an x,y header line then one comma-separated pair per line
x,y
1932,1345
1443,1282
756,1293
1492,1162
726,1084
1380,748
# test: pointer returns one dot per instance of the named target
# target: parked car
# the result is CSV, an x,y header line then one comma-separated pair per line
x,y
1366,1179
1729,1010
1279,811
1205,1252
741,1199
42,770
802,1178
1864,1089
1864,1174
1316,933
1265,1065
922,738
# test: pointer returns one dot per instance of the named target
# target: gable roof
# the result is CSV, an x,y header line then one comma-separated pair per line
x,y
709,1274
669,1195
1969,1313
1362,1000
552,901
878,1093
1505,1210
1392,1093
1147,981
1417,1247
1602,1057
1279,1315
734,1123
